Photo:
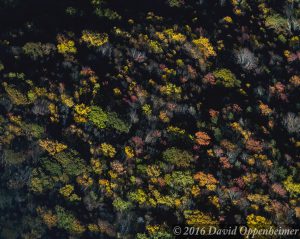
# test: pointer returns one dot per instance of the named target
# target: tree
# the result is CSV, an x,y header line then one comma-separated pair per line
x,y
226,78
98,117
67,221
178,157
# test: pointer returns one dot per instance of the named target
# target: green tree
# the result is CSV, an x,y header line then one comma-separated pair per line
x,y
178,157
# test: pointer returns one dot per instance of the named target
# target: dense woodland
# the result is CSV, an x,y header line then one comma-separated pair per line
x,y
121,119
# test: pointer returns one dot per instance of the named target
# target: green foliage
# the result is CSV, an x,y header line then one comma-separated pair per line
x,y
280,171
147,109
71,11
155,235
116,123
217,134
277,23
1,66
178,157
292,187
138,196
179,180
40,182
175,3
101,11
15,96
123,129
67,221
13,158
68,192
155,47
37,50
226,78
52,167
121,205
72,164
15,75
34,130
101,119
107,13
98,117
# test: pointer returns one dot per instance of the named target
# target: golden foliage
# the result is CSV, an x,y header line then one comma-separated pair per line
x,y
205,47
93,39
199,219
52,147
207,180
107,150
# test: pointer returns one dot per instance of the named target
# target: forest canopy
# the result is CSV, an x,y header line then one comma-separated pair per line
x,y
122,119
